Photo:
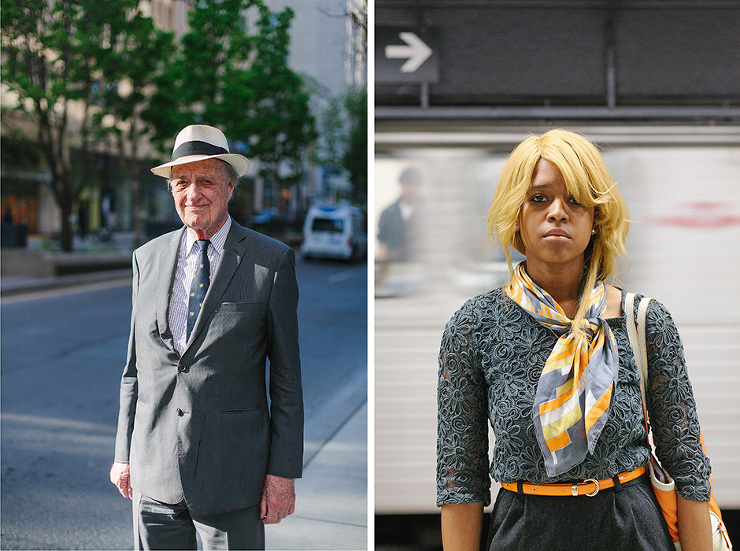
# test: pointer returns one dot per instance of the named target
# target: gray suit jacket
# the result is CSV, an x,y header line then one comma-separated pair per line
x,y
198,426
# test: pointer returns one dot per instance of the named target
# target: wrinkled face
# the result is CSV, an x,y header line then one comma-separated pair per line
x,y
554,227
202,191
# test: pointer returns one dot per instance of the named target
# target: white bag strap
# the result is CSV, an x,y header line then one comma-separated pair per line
x,y
636,334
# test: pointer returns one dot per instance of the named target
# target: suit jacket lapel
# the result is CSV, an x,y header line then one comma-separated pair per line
x,y
167,265
233,253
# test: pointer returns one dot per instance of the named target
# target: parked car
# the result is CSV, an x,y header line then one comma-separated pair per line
x,y
265,216
334,231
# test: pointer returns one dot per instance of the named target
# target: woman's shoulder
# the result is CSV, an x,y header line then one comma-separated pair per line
x,y
656,310
489,299
482,308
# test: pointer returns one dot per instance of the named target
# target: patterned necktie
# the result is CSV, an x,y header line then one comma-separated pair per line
x,y
198,289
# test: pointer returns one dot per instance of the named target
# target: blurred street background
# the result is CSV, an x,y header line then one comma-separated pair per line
x,y
93,95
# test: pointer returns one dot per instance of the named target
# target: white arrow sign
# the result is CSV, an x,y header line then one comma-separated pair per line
x,y
415,50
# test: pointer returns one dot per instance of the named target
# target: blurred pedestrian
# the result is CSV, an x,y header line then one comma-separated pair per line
x,y
397,226
82,220
197,448
8,216
547,359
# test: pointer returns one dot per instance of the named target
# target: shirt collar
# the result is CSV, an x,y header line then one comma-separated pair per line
x,y
218,240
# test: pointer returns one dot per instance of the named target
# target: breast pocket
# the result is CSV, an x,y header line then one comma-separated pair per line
x,y
237,319
239,307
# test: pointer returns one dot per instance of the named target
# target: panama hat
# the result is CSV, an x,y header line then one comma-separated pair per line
x,y
198,142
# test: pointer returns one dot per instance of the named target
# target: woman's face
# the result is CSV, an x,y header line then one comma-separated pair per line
x,y
554,227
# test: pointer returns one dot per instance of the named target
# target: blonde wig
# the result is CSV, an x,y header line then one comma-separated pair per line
x,y
590,183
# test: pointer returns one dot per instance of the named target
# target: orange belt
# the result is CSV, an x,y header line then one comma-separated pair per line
x,y
589,487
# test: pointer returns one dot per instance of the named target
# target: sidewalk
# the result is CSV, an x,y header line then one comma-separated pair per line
x,y
90,262
15,285
331,503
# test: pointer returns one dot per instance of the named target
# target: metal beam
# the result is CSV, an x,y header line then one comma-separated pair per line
x,y
558,4
504,137
561,113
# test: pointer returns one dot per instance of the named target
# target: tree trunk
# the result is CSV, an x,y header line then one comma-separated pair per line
x,y
131,173
136,187
65,205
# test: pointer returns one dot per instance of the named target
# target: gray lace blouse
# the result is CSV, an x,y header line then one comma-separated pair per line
x,y
490,359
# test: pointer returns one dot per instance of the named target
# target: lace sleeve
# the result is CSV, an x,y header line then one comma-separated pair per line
x,y
462,429
672,408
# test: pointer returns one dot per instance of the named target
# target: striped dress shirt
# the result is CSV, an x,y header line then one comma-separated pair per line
x,y
187,261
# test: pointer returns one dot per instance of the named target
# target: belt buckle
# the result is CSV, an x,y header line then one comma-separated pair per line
x,y
596,483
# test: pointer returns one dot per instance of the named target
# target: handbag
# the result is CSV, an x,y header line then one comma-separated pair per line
x,y
663,485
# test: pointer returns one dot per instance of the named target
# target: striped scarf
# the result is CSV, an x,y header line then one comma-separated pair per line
x,y
578,377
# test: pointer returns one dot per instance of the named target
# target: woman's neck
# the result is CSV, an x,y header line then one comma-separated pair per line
x,y
562,283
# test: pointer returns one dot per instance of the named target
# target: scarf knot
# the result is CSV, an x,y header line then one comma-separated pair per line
x,y
574,392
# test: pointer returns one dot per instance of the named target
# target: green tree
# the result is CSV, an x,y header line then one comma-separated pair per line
x,y
134,56
331,142
66,60
198,85
342,143
235,76
341,147
355,157
43,64
278,121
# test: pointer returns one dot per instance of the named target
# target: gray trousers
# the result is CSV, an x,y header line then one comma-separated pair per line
x,y
164,526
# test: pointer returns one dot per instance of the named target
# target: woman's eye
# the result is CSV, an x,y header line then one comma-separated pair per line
x,y
538,198
573,201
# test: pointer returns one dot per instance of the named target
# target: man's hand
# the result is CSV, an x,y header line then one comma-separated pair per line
x,y
120,475
278,499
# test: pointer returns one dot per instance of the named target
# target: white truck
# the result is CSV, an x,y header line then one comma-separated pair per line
x,y
334,230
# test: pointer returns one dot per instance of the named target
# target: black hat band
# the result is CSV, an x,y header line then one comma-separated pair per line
x,y
197,148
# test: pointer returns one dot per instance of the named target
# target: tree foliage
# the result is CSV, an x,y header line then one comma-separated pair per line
x,y
42,64
98,74
278,119
355,157
331,143
232,72
341,147
71,63
207,64
131,53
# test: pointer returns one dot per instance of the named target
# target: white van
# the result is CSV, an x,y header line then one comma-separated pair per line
x,y
334,231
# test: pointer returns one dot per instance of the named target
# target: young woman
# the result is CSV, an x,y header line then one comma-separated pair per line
x,y
547,360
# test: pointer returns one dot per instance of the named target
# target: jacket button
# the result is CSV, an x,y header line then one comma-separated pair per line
x,y
182,368
180,412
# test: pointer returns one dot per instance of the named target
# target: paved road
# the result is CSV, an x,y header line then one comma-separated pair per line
x,y
62,356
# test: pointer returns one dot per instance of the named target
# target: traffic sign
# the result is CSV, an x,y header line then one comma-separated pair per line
x,y
405,54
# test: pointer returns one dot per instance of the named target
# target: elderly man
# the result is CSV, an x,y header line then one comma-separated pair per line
x,y
198,449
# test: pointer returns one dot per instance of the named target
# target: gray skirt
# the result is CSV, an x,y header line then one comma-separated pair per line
x,y
623,519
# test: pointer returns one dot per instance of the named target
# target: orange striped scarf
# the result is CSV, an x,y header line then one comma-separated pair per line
x,y
574,393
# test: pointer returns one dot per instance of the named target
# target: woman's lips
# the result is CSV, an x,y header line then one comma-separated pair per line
x,y
557,235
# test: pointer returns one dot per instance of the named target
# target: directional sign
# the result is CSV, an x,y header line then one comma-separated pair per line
x,y
416,52
404,54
